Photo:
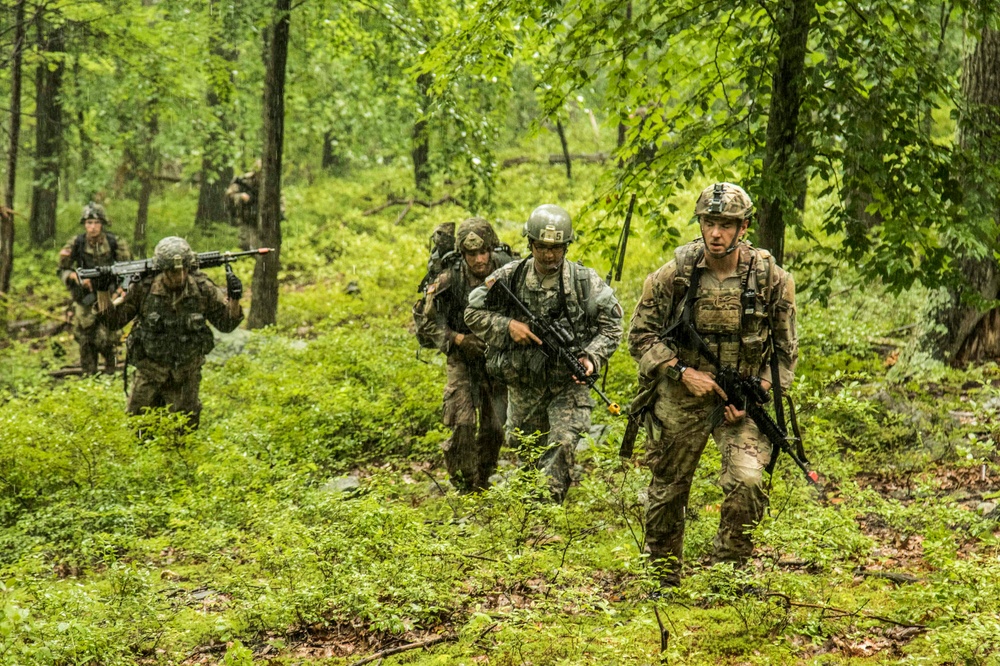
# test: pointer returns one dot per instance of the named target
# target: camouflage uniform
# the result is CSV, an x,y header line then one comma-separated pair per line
x,y
679,425
170,339
244,214
542,395
470,394
93,336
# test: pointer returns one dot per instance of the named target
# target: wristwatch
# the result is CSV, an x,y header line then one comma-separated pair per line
x,y
675,371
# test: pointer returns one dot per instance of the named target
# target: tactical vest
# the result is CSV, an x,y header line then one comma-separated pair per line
x,y
83,259
171,333
740,340
458,291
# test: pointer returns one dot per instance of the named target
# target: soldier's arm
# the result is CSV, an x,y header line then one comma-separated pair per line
x,y
118,315
489,326
786,341
435,324
217,308
609,323
650,319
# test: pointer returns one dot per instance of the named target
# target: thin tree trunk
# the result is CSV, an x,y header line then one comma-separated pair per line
x,y
963,333
421,137
216,162
7,213
264,307
48,139
147,171
565,148
782,169
331,158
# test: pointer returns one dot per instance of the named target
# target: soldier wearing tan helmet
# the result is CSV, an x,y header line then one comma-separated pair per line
x,y
94,247
736,297
471,396
543,397
170,338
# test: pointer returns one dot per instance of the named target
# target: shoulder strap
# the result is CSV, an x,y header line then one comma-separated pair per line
x,y
79,245
113,244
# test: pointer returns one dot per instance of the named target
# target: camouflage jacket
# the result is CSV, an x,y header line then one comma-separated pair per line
x,y
171,327
78,252
586,304
446,300
738,340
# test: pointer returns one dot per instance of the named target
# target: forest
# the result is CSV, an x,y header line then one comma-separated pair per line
x,y
310,519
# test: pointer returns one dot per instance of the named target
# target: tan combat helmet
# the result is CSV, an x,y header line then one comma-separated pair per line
x,y
94,211
724,200
474,234
173,252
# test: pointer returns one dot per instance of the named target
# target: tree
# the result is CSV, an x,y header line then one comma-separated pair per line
x,y
48,130
7,213
964,330
264,308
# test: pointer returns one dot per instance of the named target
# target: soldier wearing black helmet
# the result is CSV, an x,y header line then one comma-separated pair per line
x,y
542,396
475,404
171,337
95,247
737,298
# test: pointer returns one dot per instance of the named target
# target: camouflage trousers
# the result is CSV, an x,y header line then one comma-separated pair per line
x,y
679,430
472,397
176,389
562,415
94,338
249,237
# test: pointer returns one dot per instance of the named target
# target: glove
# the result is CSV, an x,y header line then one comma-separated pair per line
x,y
234,286
472,346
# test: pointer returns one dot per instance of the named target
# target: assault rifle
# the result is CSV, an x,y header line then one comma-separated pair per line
x,y
126,272
557,342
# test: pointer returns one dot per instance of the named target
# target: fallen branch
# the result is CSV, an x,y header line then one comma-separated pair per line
x,y
556,158
76,371
381,654
409,203
842,612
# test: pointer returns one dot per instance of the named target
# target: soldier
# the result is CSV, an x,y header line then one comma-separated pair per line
x,y
542,396
95,247
470,392
737,298
171,337
241,202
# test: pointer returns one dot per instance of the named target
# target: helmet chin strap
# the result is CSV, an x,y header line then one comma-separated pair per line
x,y
732,247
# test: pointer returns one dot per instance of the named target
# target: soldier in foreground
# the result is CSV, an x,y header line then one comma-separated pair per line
x,y
95,247
543,396
736,298
171,337
470,394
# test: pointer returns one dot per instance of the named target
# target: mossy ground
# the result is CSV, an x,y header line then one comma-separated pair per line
x,y
231,545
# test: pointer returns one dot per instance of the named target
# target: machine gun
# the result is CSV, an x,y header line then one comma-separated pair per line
x,y
557,342
124,273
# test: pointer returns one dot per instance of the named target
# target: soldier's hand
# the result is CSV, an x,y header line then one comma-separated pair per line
x,y
733,415
700,384
244,197
234,286
589,365
470,344
521,333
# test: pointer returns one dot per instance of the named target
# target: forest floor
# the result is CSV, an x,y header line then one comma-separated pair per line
x,y
310,520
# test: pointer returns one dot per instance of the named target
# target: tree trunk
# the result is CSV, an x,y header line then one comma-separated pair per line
x,y
963,333
7,213
216,161
264,307
421,137
147,171
48,139
331,157
782,168
565,148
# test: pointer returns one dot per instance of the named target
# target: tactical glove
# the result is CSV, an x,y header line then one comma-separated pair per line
x,y
234,286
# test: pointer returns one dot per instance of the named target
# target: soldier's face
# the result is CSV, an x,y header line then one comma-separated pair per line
x,y
719,233
548,256
175,278
478,262
93,227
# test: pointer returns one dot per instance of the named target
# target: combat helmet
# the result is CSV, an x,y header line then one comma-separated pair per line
x,y
174,252
474,234
724,200
94,211
550,224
